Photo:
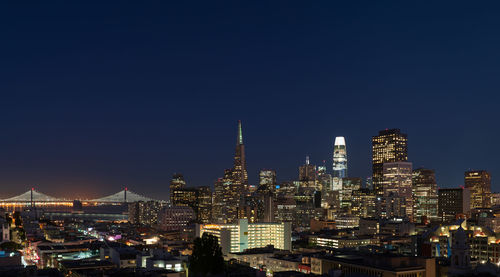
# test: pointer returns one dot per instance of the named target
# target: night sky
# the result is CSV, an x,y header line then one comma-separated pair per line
x,y
95,97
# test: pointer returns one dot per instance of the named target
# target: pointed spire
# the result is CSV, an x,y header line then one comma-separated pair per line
x,y
240,134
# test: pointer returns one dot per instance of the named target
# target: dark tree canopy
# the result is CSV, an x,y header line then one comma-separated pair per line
x,y
10,246
207,256
17,219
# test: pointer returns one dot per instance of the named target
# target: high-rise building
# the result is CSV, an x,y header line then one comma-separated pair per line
x,y
285,202
425,194
144,213
185,197
321,170
251,207
199,199
324,179
269,208
495,199
204,214
397,199
389,146
218,201
175,218
349,185
369,183
226,199
453,203
177,182
240,175
363,203
325,182
307,175
267,180
339,158
479,183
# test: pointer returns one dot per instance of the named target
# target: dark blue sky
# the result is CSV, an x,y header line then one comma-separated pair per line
x,y
96,96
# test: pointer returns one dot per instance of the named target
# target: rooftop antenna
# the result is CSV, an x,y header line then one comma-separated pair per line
x,y
307,160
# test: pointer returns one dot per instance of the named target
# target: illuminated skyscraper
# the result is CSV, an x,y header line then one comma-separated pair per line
x,y
226,199
349,185
425,194
144,213
307,174
397,198
218,202
324,179
388,147
267,180
230,197
199,199
177,182
479,184
204,200
240,175
339,158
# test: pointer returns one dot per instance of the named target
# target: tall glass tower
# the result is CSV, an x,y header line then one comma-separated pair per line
x,y
339,158
240,175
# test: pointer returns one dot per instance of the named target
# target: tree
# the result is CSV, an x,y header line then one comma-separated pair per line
x,y
10,246
21,234
207,256
8,218
17,219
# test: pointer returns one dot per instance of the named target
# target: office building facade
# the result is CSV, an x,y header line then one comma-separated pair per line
x,y
176,183
453,203
175,218
425,194
397,198
389,146
267,180
307,175
479,184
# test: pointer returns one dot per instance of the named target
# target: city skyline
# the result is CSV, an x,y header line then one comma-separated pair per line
x,y
262,138
127,96
239,143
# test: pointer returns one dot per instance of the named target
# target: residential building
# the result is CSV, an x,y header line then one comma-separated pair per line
x,y
237,237
144,212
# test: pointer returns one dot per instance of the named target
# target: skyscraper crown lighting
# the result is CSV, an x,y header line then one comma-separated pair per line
x,y
339,158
